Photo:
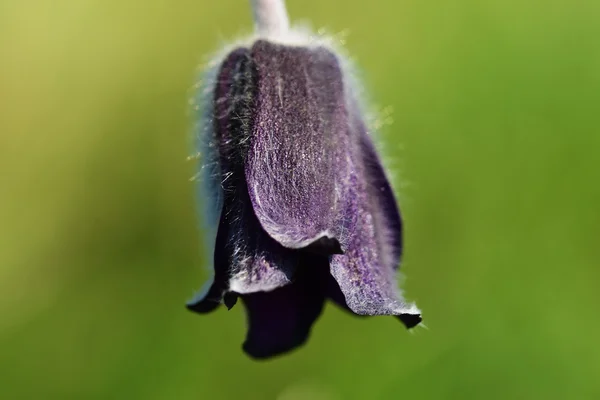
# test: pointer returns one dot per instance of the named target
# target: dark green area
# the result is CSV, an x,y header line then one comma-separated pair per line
x,y
495,150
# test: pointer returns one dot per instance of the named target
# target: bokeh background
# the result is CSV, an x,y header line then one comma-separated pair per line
x,y
495,149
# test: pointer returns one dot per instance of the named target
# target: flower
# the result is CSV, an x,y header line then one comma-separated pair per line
x,y
304,208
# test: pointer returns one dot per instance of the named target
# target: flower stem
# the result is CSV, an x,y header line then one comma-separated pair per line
x,y
270,17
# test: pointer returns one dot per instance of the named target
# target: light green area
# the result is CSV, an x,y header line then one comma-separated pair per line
x,y
495,146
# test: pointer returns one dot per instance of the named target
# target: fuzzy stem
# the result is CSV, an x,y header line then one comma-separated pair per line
x,y
270,17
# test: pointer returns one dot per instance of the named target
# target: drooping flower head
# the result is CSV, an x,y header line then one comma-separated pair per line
x,y
301,203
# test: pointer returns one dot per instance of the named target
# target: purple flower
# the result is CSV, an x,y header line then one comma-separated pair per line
x,y
303,207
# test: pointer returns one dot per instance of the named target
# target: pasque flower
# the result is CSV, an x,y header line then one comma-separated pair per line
x,y
302,205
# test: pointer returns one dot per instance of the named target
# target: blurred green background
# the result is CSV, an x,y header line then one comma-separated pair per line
x,y
495,148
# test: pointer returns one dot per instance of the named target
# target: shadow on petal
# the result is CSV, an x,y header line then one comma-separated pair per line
x,y
281,320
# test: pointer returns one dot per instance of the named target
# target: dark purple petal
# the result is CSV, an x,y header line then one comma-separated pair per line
x,y
369,287
366,272
246,259
297,159
334,293
281,320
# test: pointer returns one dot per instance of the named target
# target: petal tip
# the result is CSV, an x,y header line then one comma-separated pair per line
x,y
230,299
206,300
202,306
410,320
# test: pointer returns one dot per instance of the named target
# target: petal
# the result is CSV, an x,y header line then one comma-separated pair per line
x,y
366,272
246,258
369,286
296,160
281,320
253,260
334,293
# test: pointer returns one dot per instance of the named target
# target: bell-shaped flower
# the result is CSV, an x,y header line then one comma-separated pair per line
x,y
302,204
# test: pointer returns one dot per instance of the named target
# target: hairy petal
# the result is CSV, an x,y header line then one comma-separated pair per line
x,y
367,271
246,258
296,159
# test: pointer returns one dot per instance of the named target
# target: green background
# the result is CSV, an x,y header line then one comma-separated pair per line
x,y
495,151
